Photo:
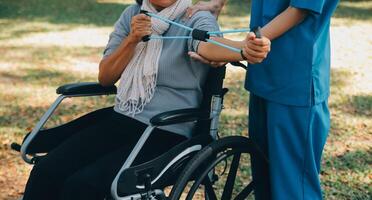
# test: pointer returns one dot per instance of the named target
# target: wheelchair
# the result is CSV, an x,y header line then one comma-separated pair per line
x,y
194,169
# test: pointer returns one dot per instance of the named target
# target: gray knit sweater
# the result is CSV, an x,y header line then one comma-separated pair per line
x,y
180,79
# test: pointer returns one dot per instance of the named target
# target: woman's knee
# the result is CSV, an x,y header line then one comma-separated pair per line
x,y
43,171
80,186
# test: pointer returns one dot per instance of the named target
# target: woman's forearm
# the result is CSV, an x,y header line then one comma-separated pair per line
x,y
111,68
283,22
216,53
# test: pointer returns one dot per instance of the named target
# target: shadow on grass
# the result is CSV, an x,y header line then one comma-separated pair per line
x,y
356,161
85,11
358,105
62,12
105,14
343,176
10,29
340,78
362,105
351,9
54,54
238,8
24,117
352,12
41,77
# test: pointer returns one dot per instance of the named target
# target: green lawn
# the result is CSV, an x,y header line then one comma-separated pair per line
x,y
47,43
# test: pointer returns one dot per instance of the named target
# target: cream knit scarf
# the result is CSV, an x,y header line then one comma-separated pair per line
x,y
138,81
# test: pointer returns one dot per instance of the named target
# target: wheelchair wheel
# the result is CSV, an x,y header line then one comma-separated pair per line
x,y
219,171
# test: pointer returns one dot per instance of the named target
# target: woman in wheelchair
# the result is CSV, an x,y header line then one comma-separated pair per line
x,y
156,76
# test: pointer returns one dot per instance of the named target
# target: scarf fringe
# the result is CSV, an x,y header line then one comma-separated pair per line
x,y
135,106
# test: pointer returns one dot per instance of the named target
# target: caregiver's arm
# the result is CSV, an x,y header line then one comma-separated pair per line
x,y
274,29
212,52
111,67
255,49
217,53
283,22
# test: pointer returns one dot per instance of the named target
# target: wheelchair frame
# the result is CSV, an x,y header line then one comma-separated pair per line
x,y
71,90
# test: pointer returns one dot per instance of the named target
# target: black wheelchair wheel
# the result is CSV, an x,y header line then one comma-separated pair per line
x,y
221,170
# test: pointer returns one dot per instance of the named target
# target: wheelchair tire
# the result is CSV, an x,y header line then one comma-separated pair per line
x,y
201,171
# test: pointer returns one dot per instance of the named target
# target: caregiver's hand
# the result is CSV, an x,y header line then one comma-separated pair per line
x,y
214,6
256,49
140,27
201,59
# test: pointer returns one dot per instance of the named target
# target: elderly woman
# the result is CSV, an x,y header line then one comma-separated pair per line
x,y
155,77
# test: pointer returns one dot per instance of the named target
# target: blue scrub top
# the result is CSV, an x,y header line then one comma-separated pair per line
x,y
297,70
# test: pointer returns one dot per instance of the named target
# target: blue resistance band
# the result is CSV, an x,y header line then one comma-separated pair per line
x,y
197,34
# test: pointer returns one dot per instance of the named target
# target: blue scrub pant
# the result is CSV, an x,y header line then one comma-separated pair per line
x,y
293,138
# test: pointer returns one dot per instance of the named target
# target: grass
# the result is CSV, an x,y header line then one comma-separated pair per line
x,y
47,43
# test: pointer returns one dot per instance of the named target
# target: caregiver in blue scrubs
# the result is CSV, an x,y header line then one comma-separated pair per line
x,y
288,110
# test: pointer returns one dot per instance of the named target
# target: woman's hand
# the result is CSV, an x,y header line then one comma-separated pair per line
x,y
111,67
256,49
140,27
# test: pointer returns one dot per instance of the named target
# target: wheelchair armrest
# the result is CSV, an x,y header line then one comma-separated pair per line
x,y
179,116
86,89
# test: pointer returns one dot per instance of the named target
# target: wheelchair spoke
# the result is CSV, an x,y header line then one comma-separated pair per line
x,y
228,189
244,194
205,173
230,151
209,190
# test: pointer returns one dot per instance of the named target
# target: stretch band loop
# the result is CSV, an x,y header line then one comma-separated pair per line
x,y
170,37
228,31
144,12
169,21
146,38
200,35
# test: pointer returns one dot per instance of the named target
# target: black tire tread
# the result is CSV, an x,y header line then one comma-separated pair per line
x,y
205,153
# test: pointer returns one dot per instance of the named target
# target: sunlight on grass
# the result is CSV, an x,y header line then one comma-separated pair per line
x,y
73,37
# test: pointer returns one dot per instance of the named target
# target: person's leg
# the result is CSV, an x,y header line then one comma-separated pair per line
x,y
296,138
94,181
50,138
318,133
258,134
82,148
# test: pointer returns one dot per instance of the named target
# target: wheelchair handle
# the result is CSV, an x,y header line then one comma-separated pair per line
x,y
16,147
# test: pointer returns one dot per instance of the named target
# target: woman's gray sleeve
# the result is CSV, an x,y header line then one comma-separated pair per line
x,y
121,30
204,21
